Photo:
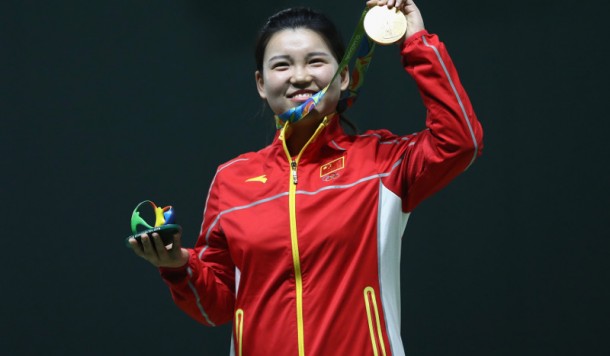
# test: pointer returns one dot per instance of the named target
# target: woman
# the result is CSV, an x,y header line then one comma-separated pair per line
x,y
300,242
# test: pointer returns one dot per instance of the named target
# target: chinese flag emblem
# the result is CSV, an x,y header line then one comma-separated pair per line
x,y
332,166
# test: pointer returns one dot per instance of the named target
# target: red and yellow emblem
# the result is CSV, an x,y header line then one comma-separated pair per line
x,y
332,166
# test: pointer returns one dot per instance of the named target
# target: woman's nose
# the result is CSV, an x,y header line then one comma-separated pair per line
x,y
300,75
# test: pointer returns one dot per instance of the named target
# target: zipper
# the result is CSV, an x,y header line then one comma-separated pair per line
x,y
293,167
296,259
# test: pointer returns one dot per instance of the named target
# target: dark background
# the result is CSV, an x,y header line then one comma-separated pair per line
x,y
107,103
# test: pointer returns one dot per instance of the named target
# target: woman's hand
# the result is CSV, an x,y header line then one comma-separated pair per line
x,y
415,22
159,255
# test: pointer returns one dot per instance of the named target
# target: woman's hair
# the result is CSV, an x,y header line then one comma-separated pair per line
x,y
294,18
306,18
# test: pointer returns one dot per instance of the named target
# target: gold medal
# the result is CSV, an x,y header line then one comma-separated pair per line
x,y
384,25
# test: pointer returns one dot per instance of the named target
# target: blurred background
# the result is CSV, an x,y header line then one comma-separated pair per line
x,y
107,103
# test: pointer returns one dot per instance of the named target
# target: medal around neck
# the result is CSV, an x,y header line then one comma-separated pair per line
x,y
165,226
385,26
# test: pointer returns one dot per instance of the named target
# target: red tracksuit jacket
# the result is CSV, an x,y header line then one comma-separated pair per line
x,y
303,253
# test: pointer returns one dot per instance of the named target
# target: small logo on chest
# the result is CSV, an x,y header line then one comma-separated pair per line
x,y
262,179
329,171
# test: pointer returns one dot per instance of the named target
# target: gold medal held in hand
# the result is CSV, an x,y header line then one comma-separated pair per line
x,y
384,25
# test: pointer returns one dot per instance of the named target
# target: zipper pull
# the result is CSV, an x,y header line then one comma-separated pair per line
x,y
293,165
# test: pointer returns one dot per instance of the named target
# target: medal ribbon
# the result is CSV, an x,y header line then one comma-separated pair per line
x,y
359,44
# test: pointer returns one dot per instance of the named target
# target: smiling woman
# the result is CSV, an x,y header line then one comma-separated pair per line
x,y
315,270
306,48
297,64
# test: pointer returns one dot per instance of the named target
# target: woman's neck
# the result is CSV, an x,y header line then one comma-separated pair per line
x,y
299,136
300,133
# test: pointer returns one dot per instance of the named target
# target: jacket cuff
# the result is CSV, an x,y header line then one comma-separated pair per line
x,y
412,38
176,274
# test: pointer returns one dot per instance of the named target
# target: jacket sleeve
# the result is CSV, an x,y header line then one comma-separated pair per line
x,y
205,287
453,135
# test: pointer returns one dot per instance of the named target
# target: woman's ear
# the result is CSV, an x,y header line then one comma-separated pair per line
x,y
345,78
260,84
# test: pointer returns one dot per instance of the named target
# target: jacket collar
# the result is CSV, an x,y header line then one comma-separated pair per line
x,y
332,138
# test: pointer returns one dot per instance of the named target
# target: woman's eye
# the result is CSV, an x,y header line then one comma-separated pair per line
x,y
279,65
317,61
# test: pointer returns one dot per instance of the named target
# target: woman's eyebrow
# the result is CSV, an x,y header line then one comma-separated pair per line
x,y
287,57
315,54
278,57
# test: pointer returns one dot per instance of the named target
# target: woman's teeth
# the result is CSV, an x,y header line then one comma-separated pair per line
x,y
302,96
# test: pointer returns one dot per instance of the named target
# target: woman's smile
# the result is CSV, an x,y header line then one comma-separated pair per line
x,y
301,95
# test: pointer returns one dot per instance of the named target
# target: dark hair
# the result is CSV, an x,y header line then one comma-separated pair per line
x,y
299,17
302,17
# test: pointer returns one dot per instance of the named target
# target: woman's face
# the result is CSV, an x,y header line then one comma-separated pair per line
x,y
297,64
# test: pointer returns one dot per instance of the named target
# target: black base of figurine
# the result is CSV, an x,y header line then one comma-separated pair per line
x,y
166,232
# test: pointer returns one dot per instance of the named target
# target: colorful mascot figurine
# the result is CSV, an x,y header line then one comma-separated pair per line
x,y
165,226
